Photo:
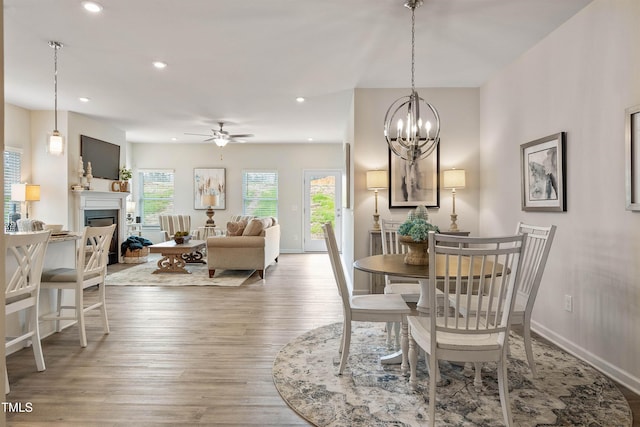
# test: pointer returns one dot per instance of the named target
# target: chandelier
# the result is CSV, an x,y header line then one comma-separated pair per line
x,y
418,136
55,142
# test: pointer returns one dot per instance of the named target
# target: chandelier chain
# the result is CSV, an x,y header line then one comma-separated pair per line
x,y
413,47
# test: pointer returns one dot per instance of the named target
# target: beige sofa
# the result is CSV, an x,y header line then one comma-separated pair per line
x,y
257,246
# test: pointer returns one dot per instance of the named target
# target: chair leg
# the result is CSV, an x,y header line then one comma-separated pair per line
x,y
58,310
405,346
35,341
503,386
346,343
80,316
477,382
527,347
433,379
389,334
103,308
413,363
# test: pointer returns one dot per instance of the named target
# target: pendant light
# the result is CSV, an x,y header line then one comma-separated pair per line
x,y
55,141
419,136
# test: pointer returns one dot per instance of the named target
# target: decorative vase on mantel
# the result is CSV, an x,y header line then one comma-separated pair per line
x,y
417,253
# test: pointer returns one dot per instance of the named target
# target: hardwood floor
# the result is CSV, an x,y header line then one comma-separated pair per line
x,y
181,355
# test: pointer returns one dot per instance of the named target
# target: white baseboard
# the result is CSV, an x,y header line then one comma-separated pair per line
x,y
611,371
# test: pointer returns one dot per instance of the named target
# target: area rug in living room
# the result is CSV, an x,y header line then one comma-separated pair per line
x,y
142,275
566,391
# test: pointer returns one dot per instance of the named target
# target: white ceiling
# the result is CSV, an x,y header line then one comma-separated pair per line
x,y
245,62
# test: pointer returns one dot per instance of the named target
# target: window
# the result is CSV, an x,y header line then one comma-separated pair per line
x,y
260,193
12,172
157,191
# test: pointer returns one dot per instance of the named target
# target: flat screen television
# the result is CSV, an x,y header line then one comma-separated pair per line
x,y
104,157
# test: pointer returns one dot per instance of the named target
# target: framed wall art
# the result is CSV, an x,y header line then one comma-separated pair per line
x,y
542,164
414,184
632,157
207,183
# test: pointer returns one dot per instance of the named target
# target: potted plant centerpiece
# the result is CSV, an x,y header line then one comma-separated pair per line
x,y
414,233
125,176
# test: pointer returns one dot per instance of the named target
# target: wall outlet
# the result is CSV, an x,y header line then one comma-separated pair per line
x,y
568,303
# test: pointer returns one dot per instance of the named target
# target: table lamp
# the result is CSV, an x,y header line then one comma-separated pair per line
x,y
377,180
209,200
453,179
131,209
25,193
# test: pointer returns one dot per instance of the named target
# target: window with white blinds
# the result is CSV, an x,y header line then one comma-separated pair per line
x,y
156,194
260,193
12,173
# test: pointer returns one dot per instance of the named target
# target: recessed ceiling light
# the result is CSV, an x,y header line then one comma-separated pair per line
x,y
309,139
159,64
92,6
300,99
83,99
174,139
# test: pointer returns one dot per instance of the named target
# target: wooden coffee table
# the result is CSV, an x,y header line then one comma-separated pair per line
x,y
176,256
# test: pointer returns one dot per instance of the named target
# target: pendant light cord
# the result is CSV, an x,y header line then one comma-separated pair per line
x,y
55,45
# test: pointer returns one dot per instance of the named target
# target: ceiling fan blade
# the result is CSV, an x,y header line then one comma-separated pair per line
x,y
242,135
198,134
209,139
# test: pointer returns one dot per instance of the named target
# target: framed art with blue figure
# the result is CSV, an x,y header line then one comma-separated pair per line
x,y
543,174
414,184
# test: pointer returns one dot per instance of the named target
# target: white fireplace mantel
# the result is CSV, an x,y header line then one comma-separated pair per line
x,y
88,200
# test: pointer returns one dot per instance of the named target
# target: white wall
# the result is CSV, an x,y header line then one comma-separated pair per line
x,y
459,115
290,160
579,80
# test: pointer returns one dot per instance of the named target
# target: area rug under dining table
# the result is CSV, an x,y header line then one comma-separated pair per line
x,y
566,391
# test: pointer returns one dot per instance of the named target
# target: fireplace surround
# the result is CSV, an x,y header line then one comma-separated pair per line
x,y
99,207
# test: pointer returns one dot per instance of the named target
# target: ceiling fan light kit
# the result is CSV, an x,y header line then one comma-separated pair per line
x,y
419,136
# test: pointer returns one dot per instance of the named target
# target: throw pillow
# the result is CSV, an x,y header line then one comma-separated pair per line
x,y
236,228
254,228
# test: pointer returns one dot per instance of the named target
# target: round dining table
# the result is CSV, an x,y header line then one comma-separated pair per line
x,y
394,265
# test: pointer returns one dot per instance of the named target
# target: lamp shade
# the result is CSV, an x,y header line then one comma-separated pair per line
x,y
209,200
454,178
131,206
377,180
25,193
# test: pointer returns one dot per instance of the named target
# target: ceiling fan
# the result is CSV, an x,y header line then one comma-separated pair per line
x,y
222,137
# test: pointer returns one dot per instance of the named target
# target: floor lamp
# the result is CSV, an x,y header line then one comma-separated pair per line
x,y
377,180
454,179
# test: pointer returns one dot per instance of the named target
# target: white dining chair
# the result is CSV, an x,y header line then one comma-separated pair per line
x,y
90,270
534,259
363,308
22,288
479,338
408,288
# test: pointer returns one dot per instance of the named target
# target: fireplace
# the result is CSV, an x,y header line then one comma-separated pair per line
x,y
103,218
102,208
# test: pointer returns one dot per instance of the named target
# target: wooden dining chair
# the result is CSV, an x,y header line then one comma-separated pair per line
x,y
495,264
363,308
534,259
408,288
22,288
90,270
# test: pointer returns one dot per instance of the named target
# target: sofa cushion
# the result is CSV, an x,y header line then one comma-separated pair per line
x,y
236,228
254,228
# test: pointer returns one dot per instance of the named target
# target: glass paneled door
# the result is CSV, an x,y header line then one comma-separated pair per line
x,y
322,203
